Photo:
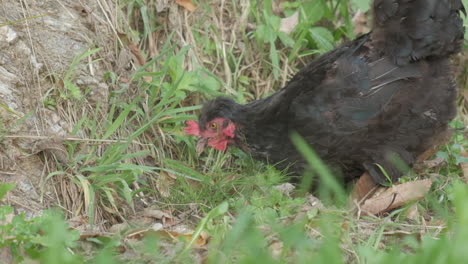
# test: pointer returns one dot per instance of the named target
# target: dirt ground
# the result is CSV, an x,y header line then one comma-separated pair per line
x,y
36,51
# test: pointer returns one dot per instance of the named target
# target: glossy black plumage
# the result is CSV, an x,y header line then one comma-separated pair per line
x,y
382,97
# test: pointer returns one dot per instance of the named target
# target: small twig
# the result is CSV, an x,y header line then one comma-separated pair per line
x,y
358,208
76,139
398,232
26,18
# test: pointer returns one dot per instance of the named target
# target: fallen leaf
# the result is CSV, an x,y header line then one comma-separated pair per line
x,y
165,216
137,53
161,5
187,4
81,10
314,202
364,188
288,24
360,23
124,80
199,241
276,249
413,213
139,233
124,62
118,228
154,213
164,183
170,221
285,188
78,221
55,147
396,196
85,235
157,226
429,164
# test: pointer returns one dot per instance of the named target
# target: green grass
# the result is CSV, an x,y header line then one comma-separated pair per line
x,y
133,153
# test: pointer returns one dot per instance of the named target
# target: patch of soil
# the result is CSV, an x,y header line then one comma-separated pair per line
x,y
37,50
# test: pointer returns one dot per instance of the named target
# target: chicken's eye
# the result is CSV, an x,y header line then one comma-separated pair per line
x,y
213,125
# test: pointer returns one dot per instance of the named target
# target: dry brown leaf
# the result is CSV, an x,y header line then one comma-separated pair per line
x,y
289,23
165,216
276,249
154,213
119,228
133,53
170,221
285,188
124,62
85,235
164,183
199,241
137,53
413,213
78,221
363,188
396,196
314,202
139,233
54,147
187,4
429,164
360,23
161,5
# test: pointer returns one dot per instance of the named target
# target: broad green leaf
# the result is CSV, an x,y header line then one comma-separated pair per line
x,y
363,5
285,39
274,22
322,37
311,12
5,188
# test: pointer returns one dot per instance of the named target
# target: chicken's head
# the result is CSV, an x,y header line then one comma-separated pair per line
x,y
218,133
215,127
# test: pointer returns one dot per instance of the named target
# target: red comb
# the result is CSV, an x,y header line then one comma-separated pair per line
x,y
192,128
229,130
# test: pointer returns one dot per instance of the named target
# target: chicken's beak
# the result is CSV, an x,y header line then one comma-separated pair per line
x,y
201,144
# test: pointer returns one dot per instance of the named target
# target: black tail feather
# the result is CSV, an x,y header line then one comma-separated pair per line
x,y
410,30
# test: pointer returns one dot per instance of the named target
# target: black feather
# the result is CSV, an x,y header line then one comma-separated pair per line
x,y
383,97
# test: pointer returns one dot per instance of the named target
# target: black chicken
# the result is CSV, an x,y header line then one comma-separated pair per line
x,y
382,97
